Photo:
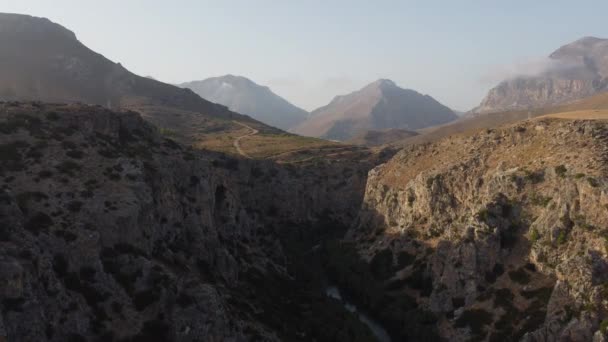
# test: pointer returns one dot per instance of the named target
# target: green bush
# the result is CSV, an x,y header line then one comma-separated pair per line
x,y
562,237
534,235
604,326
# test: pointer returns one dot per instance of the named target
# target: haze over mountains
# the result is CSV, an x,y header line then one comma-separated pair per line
x,y
378,106
244,96
576,70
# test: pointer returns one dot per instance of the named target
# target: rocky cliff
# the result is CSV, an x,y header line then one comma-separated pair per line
x,y
574,71
111,231
501,235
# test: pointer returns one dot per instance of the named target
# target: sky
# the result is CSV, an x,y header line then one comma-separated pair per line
x,y
310,51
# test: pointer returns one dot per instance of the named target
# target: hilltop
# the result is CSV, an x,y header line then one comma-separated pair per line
x,y
380,105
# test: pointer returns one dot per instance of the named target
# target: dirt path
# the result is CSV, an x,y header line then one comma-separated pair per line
x,y
237,141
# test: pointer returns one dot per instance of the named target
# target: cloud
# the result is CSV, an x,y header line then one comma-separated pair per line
x,y
528,67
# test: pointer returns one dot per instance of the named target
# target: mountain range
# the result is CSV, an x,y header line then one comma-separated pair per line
x,y
148,213
242,95
380,105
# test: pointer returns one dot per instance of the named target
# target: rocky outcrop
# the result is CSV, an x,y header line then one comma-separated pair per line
x,y
502,235
574,71
109,230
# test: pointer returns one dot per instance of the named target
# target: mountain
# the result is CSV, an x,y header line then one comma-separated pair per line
x,y
574,71
43,61
378,106
244,96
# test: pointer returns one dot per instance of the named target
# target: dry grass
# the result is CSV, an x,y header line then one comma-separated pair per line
x,y
581,115
270,145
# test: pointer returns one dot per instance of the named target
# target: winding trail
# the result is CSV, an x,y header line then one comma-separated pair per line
x,y
237,141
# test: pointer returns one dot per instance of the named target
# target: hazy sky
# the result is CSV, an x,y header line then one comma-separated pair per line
x,y
310,51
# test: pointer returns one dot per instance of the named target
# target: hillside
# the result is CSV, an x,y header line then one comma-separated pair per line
x,y
498,236
379,138
380,105
472,124
242,95
574,71
111,231
43,61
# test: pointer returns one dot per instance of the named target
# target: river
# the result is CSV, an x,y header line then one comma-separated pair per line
x,y
377,329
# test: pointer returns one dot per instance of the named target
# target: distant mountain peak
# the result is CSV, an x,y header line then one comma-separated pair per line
x,y
384,82
380,105
242,95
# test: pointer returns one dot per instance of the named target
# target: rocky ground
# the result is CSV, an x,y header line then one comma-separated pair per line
x,y
500,236
111,231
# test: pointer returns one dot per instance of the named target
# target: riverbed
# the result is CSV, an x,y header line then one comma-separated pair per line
x,y
378,331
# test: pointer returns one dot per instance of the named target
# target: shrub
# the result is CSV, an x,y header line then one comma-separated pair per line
x,y
562,237
604,326
540,200
561,170
534,177
405,259
593,182
579,175
45,174
68,167
76,154
75,206
534,235
520,276
382,264
476,319
52,116
38,222
145,298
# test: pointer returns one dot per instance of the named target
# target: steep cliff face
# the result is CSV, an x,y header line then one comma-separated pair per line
x,y
501,235
574,71
109,230
530,93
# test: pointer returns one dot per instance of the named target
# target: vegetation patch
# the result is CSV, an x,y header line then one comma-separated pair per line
x,y
520,276
38,223
476,319
561,171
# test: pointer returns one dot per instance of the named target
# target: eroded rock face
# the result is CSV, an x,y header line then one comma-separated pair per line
x,y
574,71
109,231
505,231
